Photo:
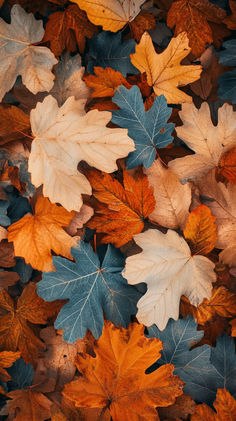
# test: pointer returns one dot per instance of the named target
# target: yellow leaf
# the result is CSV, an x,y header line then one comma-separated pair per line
x,y
164,71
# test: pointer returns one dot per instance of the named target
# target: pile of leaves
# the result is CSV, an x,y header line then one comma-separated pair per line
x,y
117,210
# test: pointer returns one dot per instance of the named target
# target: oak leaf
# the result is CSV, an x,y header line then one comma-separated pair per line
x,y
111,14
169,270
7,358
191,16
116,378
105,81
16,329
225,406
34,236
21,57
66,29
226,168
63,137
200,230
164,71
123,210
173,199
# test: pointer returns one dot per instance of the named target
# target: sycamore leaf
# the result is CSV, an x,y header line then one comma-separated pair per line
x,y
123,209
200,230
14,125
148,129
63,137
21,57
66,29
111,14
191,16
116,376
227,167
225,406
105,81
167,267
164,71
173,199
92,286
207,141
7,358
15,330
34,236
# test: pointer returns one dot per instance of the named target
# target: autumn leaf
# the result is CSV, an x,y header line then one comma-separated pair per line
x,y
12,174
200,230
230,20
14,126
34,236
164,71
143,22
225,406
66,29
233,325
226,168
116,378
191,16
123,209
111,14
105,81
16,329
7,256
7,358
184,406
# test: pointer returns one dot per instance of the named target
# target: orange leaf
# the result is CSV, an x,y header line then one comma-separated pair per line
x,y
116,378
224,404
66,29
105,81
122,210
27,405
221,303
227,167
7,358
230,20
191,16
34,236
143,22
200,230
15,331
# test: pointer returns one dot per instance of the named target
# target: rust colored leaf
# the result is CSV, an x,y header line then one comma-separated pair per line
x,y
105,81
213,330
143,22
14,126
67,29
227,167
27,405
182,408
34,236
12,174
103,105
225,406
200,230
192,17
116,378
7,358
230,20
8,279
233,325
122,210
7,259
16,329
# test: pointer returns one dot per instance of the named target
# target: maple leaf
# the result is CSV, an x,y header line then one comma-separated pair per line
x,y
227,167
164,71
173,199
225,406
149,129
14,126
92,286
7,358
191,16
221,303
207,141
27,405
230,20
21,57
167,267
116,377
105,81
143,22
111,14
63,137
66,29
123,209
34,236
16,331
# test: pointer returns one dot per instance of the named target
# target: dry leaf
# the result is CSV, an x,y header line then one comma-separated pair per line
x,y
225,406
14,126
8,279
80,218
7,256
105,81
143,22
7,358
230,20
226,168
182,408
233,325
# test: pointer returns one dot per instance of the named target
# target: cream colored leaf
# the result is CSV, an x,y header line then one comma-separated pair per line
x,y
112,15
207,141
167,267
173,199
164,71
65,136
19,55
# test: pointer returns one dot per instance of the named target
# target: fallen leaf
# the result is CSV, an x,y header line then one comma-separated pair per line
x,y
105,81
226,168
213,329
8,279
173,199
7,358
233,325
67,29
14,126
7,256
143,22
116,377
21,56
184,406
12,174
164,71
34,236
80,218
111,14
169,270
225,406
123,209
230,20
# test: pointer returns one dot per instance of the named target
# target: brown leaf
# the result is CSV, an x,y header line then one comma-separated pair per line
x,y
7,358
182,408
143,22
14,126
213,330
12,174
227,167
105,81
7,256
225,406
230,20
233,325
8,279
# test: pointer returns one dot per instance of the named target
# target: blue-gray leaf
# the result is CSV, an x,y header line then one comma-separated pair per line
x,y
227,81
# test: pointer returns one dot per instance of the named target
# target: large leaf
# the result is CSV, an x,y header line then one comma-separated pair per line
x,y
91,287
149,129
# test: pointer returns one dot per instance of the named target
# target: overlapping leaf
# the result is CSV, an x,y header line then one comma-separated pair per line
x,y
225,406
